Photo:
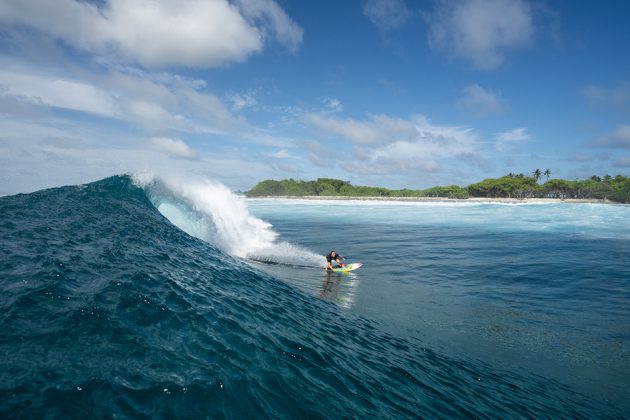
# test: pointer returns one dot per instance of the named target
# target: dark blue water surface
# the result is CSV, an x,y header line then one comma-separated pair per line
x,y
540,289
109,310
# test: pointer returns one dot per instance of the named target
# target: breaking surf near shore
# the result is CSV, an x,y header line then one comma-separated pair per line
x,y
441,199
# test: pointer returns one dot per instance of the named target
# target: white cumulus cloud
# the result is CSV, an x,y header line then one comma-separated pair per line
x,y
158,103
354,131
59,92
390,145
400,157
161,102
166,33
174,147
480,31
380,129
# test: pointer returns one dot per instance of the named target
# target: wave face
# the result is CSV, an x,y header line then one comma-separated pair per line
x,y
110,310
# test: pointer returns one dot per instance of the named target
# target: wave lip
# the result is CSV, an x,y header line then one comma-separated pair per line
x,y
210,211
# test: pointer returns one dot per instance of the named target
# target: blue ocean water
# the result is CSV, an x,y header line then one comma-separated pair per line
x,y
536,288
221,308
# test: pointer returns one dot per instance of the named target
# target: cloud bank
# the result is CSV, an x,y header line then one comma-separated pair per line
x,y
389,145
154,34
156,103
58,92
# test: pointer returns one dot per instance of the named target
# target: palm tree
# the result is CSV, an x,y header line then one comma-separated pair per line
x,y
547,173
536,174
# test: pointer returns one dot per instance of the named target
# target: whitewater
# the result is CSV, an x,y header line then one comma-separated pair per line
x,y
153,296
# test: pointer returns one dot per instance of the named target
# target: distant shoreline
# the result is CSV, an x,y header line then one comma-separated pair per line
x,y
507,189
440,199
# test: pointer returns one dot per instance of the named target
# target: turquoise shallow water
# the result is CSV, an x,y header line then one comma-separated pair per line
x,y
109,309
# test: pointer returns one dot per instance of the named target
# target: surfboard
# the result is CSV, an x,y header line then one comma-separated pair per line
x,y
347,268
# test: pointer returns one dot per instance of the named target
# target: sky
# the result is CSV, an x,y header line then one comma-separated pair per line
x,y
392,93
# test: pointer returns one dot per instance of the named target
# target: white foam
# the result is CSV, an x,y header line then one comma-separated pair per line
x,y
585,219
209,211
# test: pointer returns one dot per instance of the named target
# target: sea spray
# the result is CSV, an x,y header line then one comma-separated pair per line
x,y
209,211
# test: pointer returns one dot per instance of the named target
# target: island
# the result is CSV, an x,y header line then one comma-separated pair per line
x,y
510,187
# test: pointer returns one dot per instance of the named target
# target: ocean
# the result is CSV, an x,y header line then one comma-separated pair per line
x,y
147,297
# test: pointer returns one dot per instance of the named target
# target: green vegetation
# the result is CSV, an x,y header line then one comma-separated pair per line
x,y
510,186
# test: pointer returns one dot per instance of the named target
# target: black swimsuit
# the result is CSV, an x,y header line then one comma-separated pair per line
x,y
329,257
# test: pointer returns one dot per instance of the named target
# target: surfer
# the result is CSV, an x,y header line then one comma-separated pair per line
x,y
333,256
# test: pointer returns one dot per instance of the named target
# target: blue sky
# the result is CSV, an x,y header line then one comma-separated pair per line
x,y
396,93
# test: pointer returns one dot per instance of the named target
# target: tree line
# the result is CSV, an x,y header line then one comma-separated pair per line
x,y
517,186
